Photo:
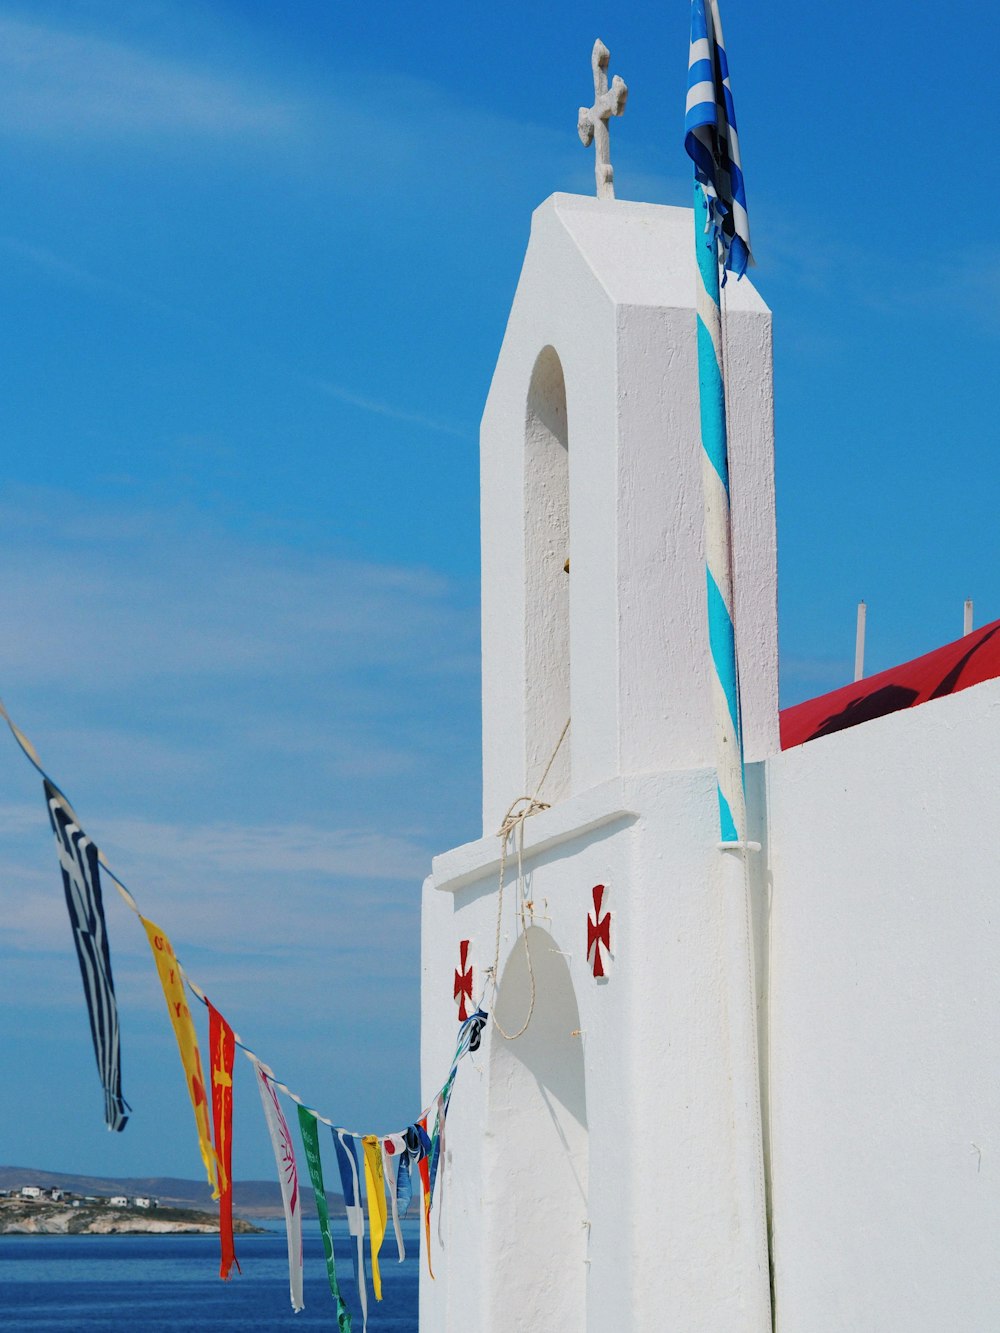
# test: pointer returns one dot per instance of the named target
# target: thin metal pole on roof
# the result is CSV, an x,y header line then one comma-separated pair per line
x,y
967,628
859,642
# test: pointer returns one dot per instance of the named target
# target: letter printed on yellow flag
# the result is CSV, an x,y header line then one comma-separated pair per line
x,y
187,1041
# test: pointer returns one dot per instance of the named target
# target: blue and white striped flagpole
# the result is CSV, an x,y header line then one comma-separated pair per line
x,y
722,238
718,538
751,1196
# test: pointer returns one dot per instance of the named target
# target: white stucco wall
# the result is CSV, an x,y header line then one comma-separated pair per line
x,y
885,1023
592,1175
876,923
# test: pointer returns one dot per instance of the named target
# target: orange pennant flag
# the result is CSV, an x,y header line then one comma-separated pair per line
x,y
187,1041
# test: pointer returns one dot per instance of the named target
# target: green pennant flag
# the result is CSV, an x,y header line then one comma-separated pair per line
x,y
310,1143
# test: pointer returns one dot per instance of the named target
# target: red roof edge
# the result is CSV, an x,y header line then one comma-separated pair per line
x,y
968,661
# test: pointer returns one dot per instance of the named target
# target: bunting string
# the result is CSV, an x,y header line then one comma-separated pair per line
x,y
385,1160
474,1022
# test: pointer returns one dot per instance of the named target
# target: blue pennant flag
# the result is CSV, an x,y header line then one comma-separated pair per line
x,y
350,1185
711,140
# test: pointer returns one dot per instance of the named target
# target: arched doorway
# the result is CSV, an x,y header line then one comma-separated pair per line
x,y
537,1149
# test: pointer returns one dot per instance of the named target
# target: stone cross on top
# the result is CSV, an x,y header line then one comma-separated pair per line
x,y
593,121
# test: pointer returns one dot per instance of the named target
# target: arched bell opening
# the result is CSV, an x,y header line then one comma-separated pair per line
x,y
547,579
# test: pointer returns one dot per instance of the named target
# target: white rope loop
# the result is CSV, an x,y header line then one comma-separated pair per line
x,y
512,828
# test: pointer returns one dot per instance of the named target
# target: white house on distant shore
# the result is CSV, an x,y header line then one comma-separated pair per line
x,y
31,1192
119,1201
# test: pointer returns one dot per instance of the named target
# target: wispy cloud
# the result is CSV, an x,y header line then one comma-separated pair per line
x,y
261,849
222,880
121,594
54,266
854,273
388,410
57,268
65,273
818,669
242,704
56,83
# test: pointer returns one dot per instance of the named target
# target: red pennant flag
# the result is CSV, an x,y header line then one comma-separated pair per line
x,y
425,1180
223,1050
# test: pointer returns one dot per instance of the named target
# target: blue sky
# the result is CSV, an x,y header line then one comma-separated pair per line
x,y
255,265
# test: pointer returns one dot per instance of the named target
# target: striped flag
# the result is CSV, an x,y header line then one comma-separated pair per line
x,y
711,140
82,886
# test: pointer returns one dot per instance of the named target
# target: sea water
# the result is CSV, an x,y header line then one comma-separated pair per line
x,y
170,1284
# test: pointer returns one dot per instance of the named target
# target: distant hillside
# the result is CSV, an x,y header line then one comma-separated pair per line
x,y
251,1198
43,1217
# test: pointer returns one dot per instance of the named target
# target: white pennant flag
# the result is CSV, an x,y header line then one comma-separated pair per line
x,y
393,1146
288,1178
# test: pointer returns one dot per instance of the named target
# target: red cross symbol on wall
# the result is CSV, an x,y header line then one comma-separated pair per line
x,y
598,931
463,981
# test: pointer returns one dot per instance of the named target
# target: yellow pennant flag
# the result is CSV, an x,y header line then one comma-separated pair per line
x,y
377,1215
187,1041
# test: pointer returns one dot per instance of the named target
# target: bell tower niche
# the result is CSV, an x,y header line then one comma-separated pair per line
x,y
547,580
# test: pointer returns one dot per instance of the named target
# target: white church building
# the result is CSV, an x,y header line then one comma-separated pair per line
x,y
768,1093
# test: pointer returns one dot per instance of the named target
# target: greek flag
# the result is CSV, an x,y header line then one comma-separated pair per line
x,y
82,886
710,137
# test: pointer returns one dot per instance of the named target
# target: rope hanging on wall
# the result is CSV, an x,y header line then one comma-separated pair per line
x,y
513,828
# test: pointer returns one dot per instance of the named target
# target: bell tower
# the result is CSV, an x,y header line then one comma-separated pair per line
x,y
590,447
602,1165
